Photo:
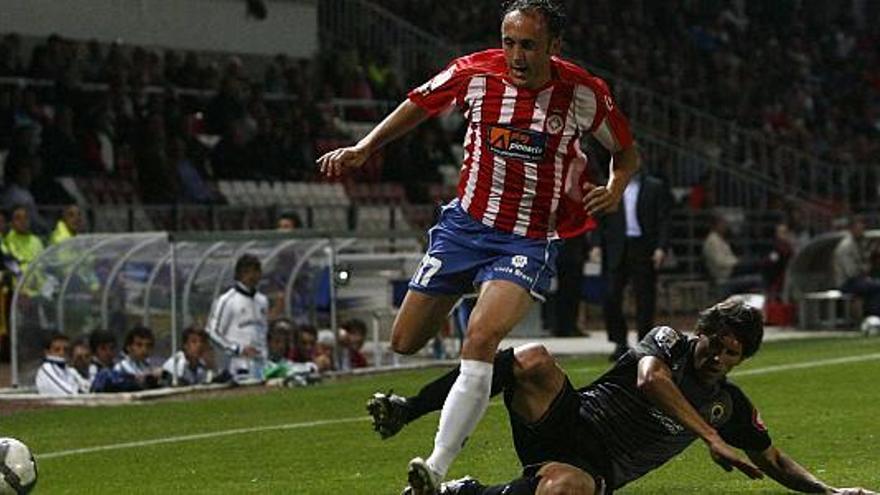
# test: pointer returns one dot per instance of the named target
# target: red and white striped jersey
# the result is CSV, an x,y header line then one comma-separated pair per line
x,y
523,168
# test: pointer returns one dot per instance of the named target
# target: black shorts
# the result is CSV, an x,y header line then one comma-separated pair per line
x,y
562,435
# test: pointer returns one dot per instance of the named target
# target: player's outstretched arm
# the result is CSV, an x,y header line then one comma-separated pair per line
x,y
404,118
788,473
655,381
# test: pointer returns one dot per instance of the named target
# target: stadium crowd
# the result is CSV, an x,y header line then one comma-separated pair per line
x,y
172,124
731,58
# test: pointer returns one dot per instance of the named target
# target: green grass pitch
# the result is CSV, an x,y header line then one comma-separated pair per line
x,y
825,414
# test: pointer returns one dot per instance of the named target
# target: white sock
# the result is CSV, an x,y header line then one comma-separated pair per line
x,y
463,409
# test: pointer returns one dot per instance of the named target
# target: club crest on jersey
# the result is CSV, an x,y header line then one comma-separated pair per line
x,y
716,413
510,142
519,261
554,124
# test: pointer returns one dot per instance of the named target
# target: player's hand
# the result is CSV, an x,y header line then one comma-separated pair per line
x,y
599,199
249,351
658,257
337,162
853,491
729,459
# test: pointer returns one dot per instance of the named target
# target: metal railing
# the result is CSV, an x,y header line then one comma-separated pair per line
x,y
748,149
728,184
373,29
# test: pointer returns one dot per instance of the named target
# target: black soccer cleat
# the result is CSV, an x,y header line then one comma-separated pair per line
x,y
389,412
462,486
422,479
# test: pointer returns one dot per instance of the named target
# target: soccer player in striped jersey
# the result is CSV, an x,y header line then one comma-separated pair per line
x,y
657,399
522,187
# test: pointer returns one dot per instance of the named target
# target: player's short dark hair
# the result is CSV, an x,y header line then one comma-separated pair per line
x,y
292,216
55,336
193,331
138,332
100,337
551,10
355,325
306,328
246,262
734,316
280,326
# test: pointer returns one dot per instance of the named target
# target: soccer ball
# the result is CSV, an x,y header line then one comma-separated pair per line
x,y
18,470
871,326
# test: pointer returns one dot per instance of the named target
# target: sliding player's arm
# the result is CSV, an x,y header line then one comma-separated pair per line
x,y
656,382
788,473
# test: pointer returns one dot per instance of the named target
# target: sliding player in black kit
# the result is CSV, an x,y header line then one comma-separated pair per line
x,y
657,399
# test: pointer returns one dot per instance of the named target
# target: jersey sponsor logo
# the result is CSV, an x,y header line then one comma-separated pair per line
x,y
517,263
670,425
554,124
520,144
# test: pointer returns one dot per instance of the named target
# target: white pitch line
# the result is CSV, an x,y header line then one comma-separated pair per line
x,y
198,436
800,366
311,424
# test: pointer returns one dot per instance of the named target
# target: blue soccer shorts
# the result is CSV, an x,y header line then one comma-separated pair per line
x,y
463,253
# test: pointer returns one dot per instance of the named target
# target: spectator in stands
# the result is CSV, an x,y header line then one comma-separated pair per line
x,y
325,351
19,172
229,158
304,340
187,364
266,151
701,193
852,268
98,143
80,361
68,225
728,272
288,221
238,321
11,62
352,335
226,107
54,376
61,148
135,361
193,188
778,258
20,242
160,183
103,347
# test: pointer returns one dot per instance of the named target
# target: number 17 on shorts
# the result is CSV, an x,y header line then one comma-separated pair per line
x,y
427,268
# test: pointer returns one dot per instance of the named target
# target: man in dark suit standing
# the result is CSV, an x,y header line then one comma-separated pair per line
x,y
634,241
